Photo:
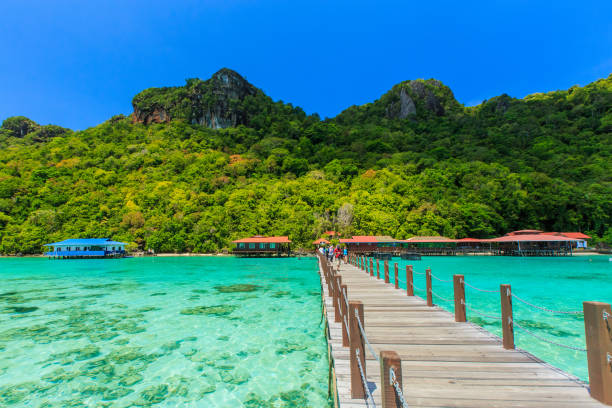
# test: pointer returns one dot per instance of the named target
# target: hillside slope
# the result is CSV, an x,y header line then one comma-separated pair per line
x,y
224,160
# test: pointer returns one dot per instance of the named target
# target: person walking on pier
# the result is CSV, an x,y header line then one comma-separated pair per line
x,y
338,254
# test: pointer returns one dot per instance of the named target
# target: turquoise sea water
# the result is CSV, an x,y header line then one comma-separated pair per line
x,y
555,283
181,331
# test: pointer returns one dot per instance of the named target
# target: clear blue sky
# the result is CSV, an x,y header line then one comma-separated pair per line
x,y
77,63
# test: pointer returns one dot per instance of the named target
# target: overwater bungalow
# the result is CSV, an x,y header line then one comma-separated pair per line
x,y
533,243
473,246
78,248
373,245
581,239
259,245
435,245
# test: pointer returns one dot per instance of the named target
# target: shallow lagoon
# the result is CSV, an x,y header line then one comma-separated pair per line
x,y
560,283
180,331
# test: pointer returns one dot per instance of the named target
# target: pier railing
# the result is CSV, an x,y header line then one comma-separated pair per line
x,y
597,322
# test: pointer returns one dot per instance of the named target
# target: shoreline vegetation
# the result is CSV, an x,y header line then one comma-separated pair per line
x,y
304,254
198,166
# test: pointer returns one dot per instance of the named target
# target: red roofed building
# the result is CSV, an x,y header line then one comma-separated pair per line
x,y
536,244
435,245
330,234
321,241
581,239
259,245
372,244
525,232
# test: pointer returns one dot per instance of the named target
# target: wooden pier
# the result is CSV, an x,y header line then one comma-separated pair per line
x,y
431,358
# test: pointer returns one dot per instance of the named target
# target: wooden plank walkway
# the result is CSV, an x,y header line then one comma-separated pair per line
x,y
444,363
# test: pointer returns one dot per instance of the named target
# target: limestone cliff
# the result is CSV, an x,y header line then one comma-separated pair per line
x,y
217,103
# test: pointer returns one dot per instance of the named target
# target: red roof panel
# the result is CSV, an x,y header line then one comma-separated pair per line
x,y
261,239
371,239
531,238
576,235
429,239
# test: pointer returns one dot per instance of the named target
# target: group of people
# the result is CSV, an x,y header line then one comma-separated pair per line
x,y
337,253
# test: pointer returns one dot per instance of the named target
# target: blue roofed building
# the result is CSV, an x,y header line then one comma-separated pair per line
x,y
86,248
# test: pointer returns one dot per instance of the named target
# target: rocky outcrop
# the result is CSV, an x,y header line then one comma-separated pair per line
x,y
405,97
216,103
20,126
158,115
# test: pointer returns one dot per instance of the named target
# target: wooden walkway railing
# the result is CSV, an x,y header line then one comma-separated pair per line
x,y
374,327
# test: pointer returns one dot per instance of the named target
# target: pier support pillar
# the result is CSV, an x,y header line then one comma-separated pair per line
x,y
357,350
598,330
459,289
390,360
371,267
343,311
428,287
396,276
337,298
507,318
330,272
386,271
377,270
409,287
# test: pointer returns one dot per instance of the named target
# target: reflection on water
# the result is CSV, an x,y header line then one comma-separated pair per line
x,y
201,332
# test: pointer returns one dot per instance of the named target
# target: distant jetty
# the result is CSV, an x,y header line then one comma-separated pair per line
x,y
516,243
86,248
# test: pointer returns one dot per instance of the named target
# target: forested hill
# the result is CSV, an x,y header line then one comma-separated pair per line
x,y
197,166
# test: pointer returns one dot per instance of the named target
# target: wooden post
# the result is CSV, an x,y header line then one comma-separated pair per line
x,y
396,277
377,270
357,349
330,283
459,289
386,271
343,310
388,360
409,288
337,298
598,330
506,313
371,267
367,261
428,287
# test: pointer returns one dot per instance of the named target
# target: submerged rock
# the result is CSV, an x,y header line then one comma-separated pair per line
x,y
60,375
207,389
171,346
153,395
218,310
22,309
241,287
288,347
130,377
116,393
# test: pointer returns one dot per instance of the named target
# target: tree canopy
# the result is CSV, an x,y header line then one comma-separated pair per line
x,y
414,162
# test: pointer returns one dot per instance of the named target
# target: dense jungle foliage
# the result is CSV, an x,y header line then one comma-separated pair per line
x,y
414,162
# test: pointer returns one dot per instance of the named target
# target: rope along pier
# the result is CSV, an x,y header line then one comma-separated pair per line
x,y
397,388
388,326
